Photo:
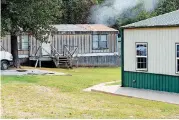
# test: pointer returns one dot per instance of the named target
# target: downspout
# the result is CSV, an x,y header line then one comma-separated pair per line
x,y
122,56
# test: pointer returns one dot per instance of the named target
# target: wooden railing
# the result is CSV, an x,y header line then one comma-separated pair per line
x,y
68,52
2,48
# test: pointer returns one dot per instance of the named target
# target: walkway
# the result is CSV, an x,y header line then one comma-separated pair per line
x,y
138,93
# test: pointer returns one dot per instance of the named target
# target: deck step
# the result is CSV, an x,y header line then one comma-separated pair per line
x,y
62,62
62,59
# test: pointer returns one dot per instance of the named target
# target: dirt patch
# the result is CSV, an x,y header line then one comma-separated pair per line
x,y
31,72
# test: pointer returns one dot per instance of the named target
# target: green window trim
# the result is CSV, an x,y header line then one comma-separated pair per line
x,y
177,58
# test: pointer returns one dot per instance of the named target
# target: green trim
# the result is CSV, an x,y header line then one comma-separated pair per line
x,y
151,81
122,56
177,72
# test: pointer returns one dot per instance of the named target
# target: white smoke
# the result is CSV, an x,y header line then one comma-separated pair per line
x,y
109,11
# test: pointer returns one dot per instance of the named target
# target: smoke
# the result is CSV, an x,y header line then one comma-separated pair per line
x,y
110,10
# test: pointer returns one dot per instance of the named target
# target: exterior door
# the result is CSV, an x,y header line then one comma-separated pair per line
x,y
46,48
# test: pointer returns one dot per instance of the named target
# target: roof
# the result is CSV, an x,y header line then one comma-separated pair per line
x,y
69,27
83,27
168,19
96,27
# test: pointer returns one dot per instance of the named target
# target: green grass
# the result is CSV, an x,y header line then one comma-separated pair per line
x,y
62,97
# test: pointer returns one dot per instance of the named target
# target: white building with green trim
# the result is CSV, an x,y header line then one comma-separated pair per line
x,y
150,53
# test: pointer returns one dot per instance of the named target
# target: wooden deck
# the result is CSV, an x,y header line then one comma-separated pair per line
x,y
43,58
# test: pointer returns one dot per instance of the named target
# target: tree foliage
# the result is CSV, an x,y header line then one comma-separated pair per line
x,y
36,16
164,6
32,16
99,1
167,6
75,11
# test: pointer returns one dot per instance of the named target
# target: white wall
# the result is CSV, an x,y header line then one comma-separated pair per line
x,y
161,49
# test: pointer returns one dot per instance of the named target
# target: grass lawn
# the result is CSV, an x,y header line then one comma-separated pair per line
x,y
62,97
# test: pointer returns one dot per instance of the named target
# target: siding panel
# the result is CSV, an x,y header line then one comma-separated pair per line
x,y
5,42
161,48
100,61
151,81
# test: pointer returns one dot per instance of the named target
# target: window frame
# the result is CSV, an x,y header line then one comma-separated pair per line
x,y
20,43
99,39
95,41
176,58
138,69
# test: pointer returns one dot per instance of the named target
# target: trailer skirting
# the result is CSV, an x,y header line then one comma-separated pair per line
x,y
86,61
98,61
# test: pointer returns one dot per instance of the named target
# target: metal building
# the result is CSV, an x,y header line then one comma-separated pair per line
x,y
150,53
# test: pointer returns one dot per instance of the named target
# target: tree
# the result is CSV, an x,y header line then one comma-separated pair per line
x,y
31,16
75,11
139,13
99,1
133,14
167,6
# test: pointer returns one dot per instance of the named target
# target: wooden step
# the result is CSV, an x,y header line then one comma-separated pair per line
x,y
63,62
62,57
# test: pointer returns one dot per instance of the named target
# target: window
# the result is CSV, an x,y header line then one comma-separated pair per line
x,y
177,58
95,42
23,42
141,56
99,42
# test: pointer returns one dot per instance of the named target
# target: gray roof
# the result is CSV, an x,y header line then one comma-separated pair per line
x,y
168,19
69,27
83,27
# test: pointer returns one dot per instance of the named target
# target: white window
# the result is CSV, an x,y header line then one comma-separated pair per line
x,y
23,42
177,58
95,41
99,42
141,56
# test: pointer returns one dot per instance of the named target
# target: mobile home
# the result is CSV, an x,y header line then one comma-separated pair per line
x,y
90,44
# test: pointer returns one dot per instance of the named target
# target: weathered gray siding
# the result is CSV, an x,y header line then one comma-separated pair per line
x,y
23,53
98,61
84,43
6,43
34,45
